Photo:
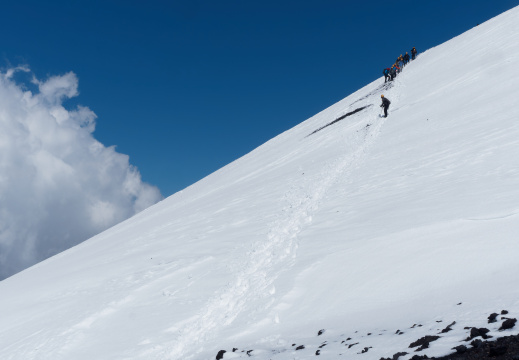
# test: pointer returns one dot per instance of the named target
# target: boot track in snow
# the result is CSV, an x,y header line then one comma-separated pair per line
x,y
255,279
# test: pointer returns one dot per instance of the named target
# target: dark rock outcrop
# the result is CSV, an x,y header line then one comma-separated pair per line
x,y
477,332
460,349
505,348
448,328
508,324
493,318
497,351
341,118
418,357
423,343
395,357
476,344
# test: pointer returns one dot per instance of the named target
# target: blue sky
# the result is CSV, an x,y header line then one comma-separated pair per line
x,y
185,87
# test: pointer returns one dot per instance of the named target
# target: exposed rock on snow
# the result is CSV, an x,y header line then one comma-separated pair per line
x,y
508,324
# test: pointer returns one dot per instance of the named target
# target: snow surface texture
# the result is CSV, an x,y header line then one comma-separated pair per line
x,y
366,227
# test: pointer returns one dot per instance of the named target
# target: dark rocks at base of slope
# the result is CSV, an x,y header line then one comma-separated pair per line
x,y
419,357
508,324
395,356
504,348
365,350
423,343
221,353
460,349
477,332
493,318
448,328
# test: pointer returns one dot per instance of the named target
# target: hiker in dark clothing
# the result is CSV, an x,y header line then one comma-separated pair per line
x,y
413,53
387,76
392,72
406,58
401,62
385,104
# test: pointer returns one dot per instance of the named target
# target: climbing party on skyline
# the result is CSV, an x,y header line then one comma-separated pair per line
x,y
390,74
398,66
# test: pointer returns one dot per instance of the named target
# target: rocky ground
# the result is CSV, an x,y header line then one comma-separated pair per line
x,y
475,343
504,348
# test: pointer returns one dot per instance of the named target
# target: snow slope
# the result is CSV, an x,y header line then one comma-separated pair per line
x,y
367,226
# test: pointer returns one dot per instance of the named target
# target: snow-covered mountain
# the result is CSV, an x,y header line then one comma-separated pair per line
x,y
377,231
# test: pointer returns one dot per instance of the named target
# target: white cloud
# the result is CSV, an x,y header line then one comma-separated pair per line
x,y
58,184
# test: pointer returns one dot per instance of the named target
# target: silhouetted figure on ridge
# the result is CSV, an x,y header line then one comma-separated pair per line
x,y
406,58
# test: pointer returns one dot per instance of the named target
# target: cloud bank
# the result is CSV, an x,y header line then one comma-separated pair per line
x,y
58,184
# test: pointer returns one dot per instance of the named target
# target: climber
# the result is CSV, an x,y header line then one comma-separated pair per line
x,y
385,104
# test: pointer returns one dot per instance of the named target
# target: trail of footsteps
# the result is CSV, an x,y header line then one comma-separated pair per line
x,y
256,276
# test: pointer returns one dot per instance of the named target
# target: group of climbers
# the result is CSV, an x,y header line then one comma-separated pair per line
x,y
390,74
398,66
